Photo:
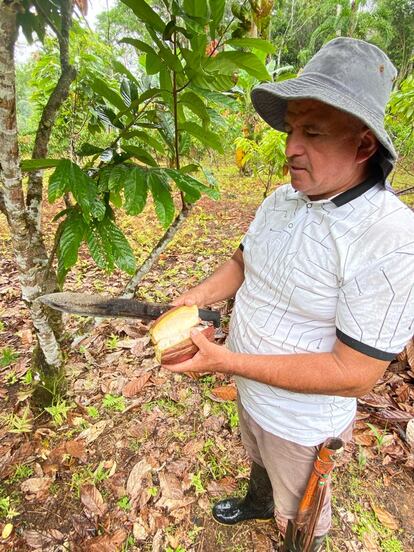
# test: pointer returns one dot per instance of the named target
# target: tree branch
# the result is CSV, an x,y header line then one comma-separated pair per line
x,y
162,244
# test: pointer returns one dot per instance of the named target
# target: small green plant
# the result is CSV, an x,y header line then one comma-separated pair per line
x,y
21,472
124,503
128,544
197,483
362,458
178,549
88,475
2,326
379,435
153,491
92,411
7,511
11,378
20,424
392,545
112,341
59,412
230,409
27,379
113,402
7,356
194,532
168,405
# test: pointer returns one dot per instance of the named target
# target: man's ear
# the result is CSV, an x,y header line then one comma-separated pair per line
x,y
368,145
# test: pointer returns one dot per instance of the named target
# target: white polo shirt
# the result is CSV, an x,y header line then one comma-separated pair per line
x,y
316,271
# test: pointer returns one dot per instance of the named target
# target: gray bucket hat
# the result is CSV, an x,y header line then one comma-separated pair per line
x,y
349,74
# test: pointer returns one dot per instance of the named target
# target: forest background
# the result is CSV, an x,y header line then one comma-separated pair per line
x,y
142,136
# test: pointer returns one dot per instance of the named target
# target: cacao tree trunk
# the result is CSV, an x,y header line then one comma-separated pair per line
x,y
22,233
24,216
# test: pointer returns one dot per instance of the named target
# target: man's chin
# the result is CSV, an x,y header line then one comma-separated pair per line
x,y
300,182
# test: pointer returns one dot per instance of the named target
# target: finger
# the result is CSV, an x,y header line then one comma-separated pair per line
x,y
185,366
199,339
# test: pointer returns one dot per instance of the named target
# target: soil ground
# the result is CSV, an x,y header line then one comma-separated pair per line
x,y
133,457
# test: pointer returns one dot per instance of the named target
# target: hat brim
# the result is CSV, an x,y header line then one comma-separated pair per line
x,y
270,102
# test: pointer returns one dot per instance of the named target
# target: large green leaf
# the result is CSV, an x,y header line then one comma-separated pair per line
x,y
129,92
101,88
185,181
216,13
84,190
97,249
88,149
146,14
114,240
146,138
172,61
141,154
206,137
218,98
191,194
148,94
226,62
37,164
108,116
196,104
59,180
196,8
117,177
153,63
139,45
252,44
120,68
69,177
163,202
135,190
73,230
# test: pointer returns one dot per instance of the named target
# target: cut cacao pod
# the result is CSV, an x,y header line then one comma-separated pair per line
x,y
170,334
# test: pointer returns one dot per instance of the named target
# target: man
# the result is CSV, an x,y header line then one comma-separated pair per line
x,y
323,279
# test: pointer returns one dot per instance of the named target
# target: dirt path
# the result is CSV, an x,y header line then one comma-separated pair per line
x,y
134,457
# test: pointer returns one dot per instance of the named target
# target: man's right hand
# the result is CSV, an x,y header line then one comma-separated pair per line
x,y
193,296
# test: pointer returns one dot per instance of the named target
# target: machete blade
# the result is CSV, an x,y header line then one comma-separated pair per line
x,y
105,306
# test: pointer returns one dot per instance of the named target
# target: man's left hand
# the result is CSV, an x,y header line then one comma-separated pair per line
x,y
209,358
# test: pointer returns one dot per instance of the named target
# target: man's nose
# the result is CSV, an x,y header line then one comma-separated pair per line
x,y
294,145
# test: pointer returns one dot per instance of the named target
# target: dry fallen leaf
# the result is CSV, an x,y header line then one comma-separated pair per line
x,y
36,485
136,385
385,518
139,531
225,485
225,392
7,531
92,433
171,491
92,499
138,473
364,439
76,449
38,539
370,542
106,543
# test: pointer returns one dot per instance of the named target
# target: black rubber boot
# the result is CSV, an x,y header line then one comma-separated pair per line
x,y
294,546
257,504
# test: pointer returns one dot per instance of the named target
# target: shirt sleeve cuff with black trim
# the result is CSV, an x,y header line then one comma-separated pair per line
x,y
363,348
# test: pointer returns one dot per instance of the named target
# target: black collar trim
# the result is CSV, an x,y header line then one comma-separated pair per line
x,y
357,190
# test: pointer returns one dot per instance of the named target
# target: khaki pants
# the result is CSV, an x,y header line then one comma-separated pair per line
x,y
288,465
